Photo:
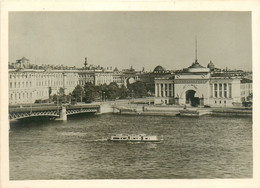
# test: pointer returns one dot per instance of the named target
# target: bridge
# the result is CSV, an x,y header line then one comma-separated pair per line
x,y
56,112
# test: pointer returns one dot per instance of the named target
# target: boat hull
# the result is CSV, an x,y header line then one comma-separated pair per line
x,y
142,141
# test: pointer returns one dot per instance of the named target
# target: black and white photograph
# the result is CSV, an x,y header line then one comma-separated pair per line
x,y
130,95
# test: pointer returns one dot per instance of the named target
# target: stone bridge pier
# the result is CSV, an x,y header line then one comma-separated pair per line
x,y
63,114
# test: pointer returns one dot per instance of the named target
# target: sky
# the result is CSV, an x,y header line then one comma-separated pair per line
x,y
139,39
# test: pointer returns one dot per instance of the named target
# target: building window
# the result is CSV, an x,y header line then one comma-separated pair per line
x,y
215,102
225,90
219,102
215,90
220,90
170,90
230,90
10,84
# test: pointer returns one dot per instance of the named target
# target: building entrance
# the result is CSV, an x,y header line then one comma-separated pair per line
x,y
191,99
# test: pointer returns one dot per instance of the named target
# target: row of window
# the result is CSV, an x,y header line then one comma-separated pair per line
x,y
246,86
38,75
222,90
22,96
20,85
42,83
220,102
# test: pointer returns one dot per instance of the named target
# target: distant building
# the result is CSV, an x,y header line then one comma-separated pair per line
x,y
198,86
28,85
86,76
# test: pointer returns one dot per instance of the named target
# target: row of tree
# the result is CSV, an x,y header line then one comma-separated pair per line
x,y
90,93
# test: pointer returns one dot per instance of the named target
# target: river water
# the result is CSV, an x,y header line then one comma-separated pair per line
x,y
205,147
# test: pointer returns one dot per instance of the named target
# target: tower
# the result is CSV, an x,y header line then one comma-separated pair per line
x,y
196,50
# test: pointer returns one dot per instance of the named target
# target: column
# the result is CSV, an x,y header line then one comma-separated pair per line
x,y
156,89
223,90
159,90
163,90
217,90
212,90
172,90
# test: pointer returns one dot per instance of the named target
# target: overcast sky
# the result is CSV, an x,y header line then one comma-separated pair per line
x,y
140,39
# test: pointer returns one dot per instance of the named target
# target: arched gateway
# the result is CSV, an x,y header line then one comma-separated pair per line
x,y
191,98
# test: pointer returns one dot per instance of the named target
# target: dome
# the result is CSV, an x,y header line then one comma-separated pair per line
x,y
196,67
158,69
211,66
116,69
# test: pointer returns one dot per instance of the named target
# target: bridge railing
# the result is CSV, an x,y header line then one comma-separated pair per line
x,y
28,109
47,108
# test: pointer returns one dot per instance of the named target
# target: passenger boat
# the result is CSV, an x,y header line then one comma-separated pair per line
x,y
134,138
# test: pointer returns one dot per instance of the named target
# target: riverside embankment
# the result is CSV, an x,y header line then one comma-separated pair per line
x,y
126,107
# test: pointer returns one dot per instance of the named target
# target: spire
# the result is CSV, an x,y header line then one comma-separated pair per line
x,y
196,51
86,63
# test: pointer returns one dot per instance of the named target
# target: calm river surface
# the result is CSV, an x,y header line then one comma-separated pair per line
x,y
205,147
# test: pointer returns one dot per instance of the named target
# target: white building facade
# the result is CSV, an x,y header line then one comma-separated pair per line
x,y
28,85
197,86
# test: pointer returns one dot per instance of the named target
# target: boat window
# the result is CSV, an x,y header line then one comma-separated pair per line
x,y
115,138
146,138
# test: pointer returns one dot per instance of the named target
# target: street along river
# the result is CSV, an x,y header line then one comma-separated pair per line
x,y
205,147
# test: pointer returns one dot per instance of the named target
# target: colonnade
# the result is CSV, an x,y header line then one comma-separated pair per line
x,y
221,90
164,90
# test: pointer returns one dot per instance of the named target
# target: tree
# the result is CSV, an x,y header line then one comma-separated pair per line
x,y
112,91
123,92
78,93
61,96
138,89
90,92
61,92
50,90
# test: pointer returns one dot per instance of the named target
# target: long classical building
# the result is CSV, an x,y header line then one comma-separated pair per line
x,y
28,85
28,82
199,86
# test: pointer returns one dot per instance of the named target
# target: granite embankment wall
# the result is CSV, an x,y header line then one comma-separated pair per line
x,y
232,112
126,108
